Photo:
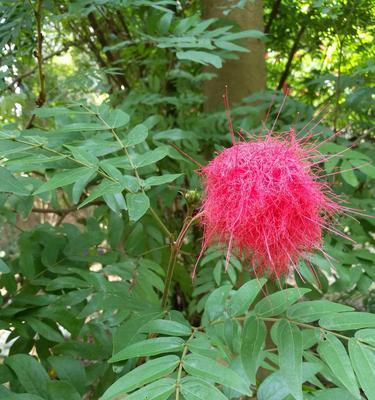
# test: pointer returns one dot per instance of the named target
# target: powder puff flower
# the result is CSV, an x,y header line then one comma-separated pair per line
x,y
263,199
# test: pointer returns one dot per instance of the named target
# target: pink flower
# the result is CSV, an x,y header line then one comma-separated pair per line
x,y
263,199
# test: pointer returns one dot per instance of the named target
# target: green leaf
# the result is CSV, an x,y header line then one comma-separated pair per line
x,y
159,390
329,394
30,373
331,163
277,303
366,335
59,390
138,204
160,180
149,347
146,373
80,154
115,201
253,338
19,396
167,327
363,361
208,369
364,167
273,388
4,269
223,44
47,112
333,148
308,311
82,127
66,282
290,346
151,157
198,389
348,321
215,303
244,296
333,352
79,187
130,183
70,370
200,57
137,135
165,23
250,33
129,331
44,329
173,134
9,184
348,174
113,118
111,170
65,178
105,187
115,229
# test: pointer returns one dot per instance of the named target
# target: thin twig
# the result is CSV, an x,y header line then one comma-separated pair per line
x,y
274,12
338,83
111,57
21,77
64,211
187,156
39,56
293,51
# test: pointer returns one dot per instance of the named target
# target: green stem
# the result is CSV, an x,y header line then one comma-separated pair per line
x,y
301,324
179,371
56,152
160,222
170,271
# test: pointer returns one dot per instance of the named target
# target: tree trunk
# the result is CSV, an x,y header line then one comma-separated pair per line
x,y
247,74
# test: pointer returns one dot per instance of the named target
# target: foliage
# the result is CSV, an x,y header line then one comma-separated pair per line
x,y
97,196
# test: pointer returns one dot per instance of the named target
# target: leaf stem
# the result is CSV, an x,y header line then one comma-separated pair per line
x,y
39,56
160,222
56,152
179,371
301,324
170,271
139,180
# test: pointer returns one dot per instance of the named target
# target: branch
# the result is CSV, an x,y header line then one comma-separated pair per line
x,y
185,155
274,12
292,53
21,77
123,24
39,55
64,211
40,100
337,88
121,80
